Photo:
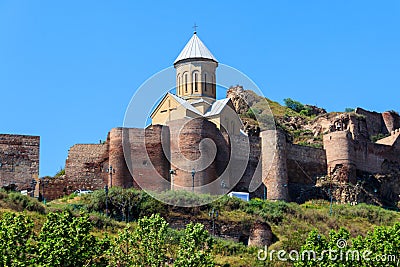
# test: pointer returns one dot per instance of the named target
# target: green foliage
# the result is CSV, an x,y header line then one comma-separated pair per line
x,y
378,137
149,244
15,237
144,246
18,202
195,247
185,199
379,248
314,145
251,113
65,240
123,204
294,105
349,110
60,173
320,245
268,210
382,241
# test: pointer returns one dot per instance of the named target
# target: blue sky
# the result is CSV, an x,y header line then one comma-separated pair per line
x,y
69,68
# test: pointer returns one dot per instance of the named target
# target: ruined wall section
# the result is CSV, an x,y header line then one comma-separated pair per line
x,y
374,121
85,167
391,120
305,163
345,156
19,160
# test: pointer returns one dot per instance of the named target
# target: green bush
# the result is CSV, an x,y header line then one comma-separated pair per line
x,y
18,202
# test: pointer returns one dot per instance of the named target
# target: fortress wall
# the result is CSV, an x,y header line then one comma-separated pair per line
x,y
19,158
253,171
157,137
374,120
343,151
186,138
391,120
305,163
121,176
145,157
53,188
274,168
341,155
372,157
85,167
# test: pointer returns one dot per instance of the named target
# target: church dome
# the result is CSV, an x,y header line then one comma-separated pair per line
x,y
195,49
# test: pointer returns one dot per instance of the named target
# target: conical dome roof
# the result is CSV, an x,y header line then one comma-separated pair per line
x,y
195,48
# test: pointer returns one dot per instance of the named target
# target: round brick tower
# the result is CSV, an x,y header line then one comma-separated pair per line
x,y
119,174
274,168
340,155
155,138
193,146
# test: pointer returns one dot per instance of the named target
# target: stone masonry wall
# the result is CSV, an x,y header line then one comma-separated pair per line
x,y
19,160
274,164
85,167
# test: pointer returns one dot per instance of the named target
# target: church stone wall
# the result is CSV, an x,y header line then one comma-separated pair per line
x,y
19,160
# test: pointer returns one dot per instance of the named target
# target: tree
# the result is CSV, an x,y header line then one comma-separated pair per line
x,y
349,110
383,242
65,240
144,246
195,247
324,251
15,240
293,104
378,248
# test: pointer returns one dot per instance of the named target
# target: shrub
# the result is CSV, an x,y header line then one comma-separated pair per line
x,y
65,240
18,202
293,104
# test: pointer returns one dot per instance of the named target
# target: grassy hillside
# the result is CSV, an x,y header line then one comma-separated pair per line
x,y
290,222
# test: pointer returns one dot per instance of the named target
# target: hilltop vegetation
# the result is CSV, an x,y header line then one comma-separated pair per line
x,y
295,118
103,240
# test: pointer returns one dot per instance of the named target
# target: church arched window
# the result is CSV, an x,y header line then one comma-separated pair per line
x,y
205,82
195,79
213,84
179,85
186,83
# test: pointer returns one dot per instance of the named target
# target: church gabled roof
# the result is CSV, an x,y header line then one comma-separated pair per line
x,y
185,104
217,107
195,48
